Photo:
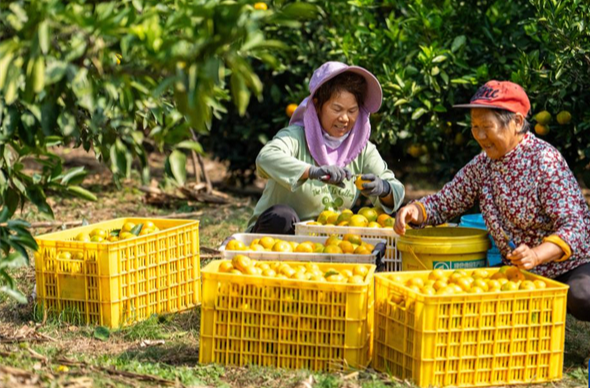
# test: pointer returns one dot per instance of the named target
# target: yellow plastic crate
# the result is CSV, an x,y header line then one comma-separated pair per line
x,y
122,282
469,340
286,323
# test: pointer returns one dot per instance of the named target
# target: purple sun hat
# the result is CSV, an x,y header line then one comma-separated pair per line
x,y
359,135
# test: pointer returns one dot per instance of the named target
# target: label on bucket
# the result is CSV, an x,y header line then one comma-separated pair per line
x,y
459,264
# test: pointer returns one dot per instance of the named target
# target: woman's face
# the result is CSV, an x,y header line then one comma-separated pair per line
x,y
493,137
339,113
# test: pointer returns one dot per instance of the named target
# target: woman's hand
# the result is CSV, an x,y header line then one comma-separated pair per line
x,y
527,258
375,187
410,213
524,257
330,174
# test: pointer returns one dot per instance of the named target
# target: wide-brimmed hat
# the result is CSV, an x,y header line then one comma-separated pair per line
x,y
500,95
329,70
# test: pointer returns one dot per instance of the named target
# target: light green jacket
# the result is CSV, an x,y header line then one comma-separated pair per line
x,y
286,157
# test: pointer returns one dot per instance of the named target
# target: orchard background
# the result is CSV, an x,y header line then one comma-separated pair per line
x,y
144,107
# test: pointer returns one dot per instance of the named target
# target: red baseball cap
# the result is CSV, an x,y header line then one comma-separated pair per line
x,y
500,95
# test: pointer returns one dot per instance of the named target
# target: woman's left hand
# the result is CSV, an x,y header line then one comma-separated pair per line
x,y
524,257
375,187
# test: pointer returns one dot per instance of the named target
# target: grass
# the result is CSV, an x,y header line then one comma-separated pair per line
x,y
166,347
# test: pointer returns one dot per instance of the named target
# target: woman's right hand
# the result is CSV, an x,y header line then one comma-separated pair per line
x,y
330,174
410,213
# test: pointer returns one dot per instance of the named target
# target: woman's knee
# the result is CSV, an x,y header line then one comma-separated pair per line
x,y
277,219
578,299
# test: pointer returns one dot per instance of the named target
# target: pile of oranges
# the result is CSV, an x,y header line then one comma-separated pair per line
x,y
371,217
241,264
127,231
348,244
439,282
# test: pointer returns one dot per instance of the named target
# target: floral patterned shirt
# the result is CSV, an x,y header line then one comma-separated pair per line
x,y
530,193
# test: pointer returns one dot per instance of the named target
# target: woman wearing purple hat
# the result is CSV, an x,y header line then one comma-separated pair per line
x,y
310,164
529,198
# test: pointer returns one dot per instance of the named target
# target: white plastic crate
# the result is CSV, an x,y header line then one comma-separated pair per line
x,y
387,234
247,238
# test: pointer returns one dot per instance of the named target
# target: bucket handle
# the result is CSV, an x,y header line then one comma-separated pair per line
x,y
411,250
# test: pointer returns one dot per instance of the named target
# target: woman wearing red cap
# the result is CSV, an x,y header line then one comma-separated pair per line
x,y
525,189
310,164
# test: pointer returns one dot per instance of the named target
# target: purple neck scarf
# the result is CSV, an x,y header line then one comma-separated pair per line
x,y
348,150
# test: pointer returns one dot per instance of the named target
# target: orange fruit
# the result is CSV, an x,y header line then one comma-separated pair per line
x,y
271,273
98,232
343,223
564,117
294,245
494,285
510,286
543,117
439,284
362,251
263,7
382,218
235,245
353,238
358,220
96,238
541,129
480,274
448,290
396,278
126,235
540,285
527,285
358,182
346,247
476,290
481,284
498,275
257,248
304,247
356,279
464,283
318,248
83,237
360,270
334,249
374,224
240,262
291,107
282,246
415,282
267,242
335,278
369,213
333,240
344,216
436,274
427,290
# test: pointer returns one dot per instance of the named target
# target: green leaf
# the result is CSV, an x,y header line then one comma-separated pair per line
x,y
13,260
55,71
101,333
177,161
4,65
240,93
191,145
67,123
72,174
458,42
401,101
14,294
418,113
115,232
136,229
44,37
439,58
82,193
300,10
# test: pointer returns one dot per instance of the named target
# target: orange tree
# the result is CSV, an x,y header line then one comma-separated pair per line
x,y
428,56
106,76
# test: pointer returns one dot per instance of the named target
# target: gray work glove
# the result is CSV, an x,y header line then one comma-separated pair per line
x,y
376,187
333,175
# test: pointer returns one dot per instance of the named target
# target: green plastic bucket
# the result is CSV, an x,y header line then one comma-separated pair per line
x,y
443,248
